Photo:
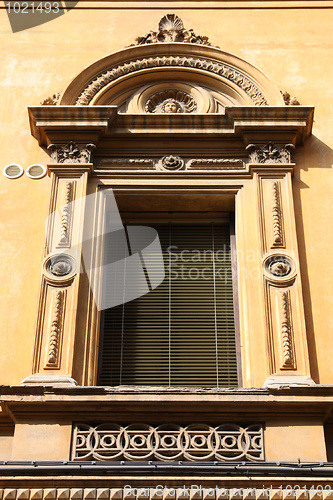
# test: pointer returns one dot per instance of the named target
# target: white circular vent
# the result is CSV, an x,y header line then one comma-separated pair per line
x,y
36,171
13,171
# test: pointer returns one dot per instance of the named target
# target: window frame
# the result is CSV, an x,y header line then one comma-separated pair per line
x,y
147,217
226,196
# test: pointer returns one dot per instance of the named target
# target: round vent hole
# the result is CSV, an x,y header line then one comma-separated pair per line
x,y
13,171
36,171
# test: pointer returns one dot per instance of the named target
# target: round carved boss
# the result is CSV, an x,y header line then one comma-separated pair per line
x,y
172,162
60,265
279,266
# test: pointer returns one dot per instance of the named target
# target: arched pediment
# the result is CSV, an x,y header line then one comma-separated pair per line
x,y
172,67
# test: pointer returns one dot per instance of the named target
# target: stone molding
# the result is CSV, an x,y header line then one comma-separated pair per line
x,y
195,164
231,74
106,123
49,380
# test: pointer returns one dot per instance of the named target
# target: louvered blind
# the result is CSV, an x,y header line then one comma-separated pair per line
x,y
182,333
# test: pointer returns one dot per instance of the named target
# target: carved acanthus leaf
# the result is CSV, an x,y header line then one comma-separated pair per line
x,y
270,153
71,152
51,101
288,100
171,29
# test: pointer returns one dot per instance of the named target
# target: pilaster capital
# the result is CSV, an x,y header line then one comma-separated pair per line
x,y
270,153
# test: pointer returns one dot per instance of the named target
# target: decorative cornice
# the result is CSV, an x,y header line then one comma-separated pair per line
x,y
104,123
286,333
270,153
171,29
223,70
71,152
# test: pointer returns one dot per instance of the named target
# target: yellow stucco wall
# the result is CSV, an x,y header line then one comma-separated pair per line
x,y
292,47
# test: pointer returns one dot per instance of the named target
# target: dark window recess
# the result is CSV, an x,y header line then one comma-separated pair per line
x,y
328,431
183,332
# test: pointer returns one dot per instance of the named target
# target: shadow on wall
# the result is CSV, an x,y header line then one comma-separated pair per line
x,y
315,154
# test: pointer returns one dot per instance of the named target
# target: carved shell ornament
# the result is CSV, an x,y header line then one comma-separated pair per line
x,y
171,101
171,29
